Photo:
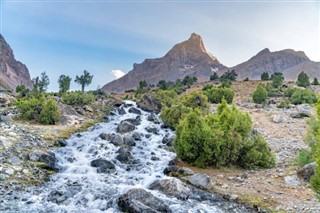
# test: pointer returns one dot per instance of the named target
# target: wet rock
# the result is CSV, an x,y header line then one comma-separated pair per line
x,y
150,103
152,130
168,140
125,127
307,171
154,158
172,187
129,140
121,111
200,180
134,111
61,196
48,158
104,166
135,121
124,155
139,200
177,171
115,139
136,136
61,142
153,118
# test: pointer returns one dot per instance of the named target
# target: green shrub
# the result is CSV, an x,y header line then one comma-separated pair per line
x,y
230,76
49,113
303,96
171,116
207,87
77,98
272,92
22,90
289,91
260,95
167,97
304,157
277,81
214,77
265,76
216,95
303,80
196,100
315,81
284,104
30,108
223,138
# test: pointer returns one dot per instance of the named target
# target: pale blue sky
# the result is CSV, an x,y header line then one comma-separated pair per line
x,y
66,37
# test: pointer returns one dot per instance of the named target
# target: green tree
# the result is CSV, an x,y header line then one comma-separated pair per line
x,y
277,74
188,81
303,80
167,97
50,112
315,81
84,80
260,95
41,83
22,90
163,85
171,116
64,83
196,100
303,96
229,75
277,81
214,77
265,76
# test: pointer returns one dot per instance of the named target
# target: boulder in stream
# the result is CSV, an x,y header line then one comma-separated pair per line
x,y
125,127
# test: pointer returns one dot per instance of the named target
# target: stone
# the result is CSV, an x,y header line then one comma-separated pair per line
x,y
129,140
2,177
172,187
9,171
125,127
200,180
301,111
136,136
61,196
139,200
104,166
278,119
135,121
134,110
168,140
87,108
121,111
292,180
177,171
115,139
124,155
307,171
48,158
153,118
152,130
150,103
14,160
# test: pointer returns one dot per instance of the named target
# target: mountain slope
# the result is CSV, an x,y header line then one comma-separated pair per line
x,y
187,58
287,61
12,72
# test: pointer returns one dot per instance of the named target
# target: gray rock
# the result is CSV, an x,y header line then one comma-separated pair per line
x,y
129,140
134,111
200,180
104,166
307,171
153,118
48,158
115,139
87,108
152,130
9,171
172,187
168,140
177,171
292,180
135,121
301,111
140,201
62,196
14,160
2,177
121,111
136,136
125,127
124,155
150,103
278,119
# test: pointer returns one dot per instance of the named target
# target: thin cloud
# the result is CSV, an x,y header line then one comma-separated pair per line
x,y
117,73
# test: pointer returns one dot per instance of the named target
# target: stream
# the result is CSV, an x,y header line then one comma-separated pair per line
x,y
81,185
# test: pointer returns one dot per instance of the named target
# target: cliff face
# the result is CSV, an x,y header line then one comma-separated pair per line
x,y
288,62
187,58
12,72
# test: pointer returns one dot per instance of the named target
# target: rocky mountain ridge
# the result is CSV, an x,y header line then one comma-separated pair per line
x,y
12,72
191,58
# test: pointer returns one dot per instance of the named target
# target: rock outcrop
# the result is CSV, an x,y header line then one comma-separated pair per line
x,y
187,58
288,62
12,72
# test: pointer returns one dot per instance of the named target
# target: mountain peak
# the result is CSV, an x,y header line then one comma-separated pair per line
x,y
263,52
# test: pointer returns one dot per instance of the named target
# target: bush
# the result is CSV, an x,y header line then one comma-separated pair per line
x,y
30,108
265,76
272,92
214,77
277,81
303,80
195,100
304,157
166,97
289,91
221,139
303,96
315,81
171,116
22,90
207,87
216,95
284,104
260,95
230,76
50,112
77,98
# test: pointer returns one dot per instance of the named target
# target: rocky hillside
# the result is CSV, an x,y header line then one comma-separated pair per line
x,y
191,58
288,61
12,72
187,58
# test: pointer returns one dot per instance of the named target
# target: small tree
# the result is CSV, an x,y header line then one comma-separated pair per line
x,y
50,112
84,80
303,80
260,95
22,90
64,83
231,76
214,77
277,81
265,76
315,81
163,85
41,83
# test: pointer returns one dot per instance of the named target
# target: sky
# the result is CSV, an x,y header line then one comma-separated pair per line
x,y
108,37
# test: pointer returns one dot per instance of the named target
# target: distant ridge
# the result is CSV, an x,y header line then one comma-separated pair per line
x,y
12,72
191,58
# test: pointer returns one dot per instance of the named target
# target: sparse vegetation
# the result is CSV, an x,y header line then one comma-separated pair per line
x,y
216,95
77,98
260,95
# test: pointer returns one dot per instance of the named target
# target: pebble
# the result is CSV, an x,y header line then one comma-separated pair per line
x,y
9,171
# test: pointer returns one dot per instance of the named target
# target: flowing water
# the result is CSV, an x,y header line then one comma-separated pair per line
x,y
77,187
